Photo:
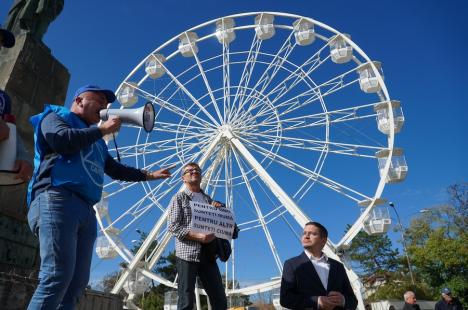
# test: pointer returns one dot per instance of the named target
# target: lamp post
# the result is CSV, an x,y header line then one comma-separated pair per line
x,y
404,241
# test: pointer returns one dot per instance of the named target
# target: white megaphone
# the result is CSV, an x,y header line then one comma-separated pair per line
x,y
143,117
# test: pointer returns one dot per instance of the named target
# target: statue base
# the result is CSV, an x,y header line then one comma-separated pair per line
x,y
32,77
16,292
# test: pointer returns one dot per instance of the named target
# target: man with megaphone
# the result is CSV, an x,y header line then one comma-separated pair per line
x,y
69,165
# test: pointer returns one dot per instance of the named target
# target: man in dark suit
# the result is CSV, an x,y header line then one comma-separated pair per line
x,y
314,281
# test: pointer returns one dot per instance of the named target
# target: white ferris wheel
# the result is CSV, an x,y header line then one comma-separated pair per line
x,y
290,121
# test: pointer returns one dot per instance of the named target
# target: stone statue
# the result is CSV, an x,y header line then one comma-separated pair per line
x,y
32,16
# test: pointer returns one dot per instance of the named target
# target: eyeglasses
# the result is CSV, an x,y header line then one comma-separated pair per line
x,y
192,170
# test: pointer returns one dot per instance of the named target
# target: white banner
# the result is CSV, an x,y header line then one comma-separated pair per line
x,y
208,219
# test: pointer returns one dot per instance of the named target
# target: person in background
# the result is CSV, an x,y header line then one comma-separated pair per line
x,y
410,301
448,302
69,164
23,165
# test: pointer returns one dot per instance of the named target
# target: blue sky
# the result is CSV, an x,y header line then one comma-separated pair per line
x,y
421,44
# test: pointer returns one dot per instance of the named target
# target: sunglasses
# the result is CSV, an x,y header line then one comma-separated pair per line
x,y
192,170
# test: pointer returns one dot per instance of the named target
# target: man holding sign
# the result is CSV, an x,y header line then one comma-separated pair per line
x,y
192,259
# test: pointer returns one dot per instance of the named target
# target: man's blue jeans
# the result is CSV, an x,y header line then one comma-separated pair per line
x,y
66,227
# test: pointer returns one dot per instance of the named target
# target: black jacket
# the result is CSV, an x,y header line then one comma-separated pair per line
x,y
301,285
454,305
408,306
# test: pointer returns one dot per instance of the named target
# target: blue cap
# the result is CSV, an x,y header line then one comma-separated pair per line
x,y
446,291
5,103
8,38
110,96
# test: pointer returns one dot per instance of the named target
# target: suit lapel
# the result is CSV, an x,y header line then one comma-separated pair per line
x,y
310,271
332,274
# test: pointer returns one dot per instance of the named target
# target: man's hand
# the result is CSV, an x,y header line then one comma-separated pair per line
x,y
158,174
110,126
24,170
217,204
201,237
4,130
336,298
324,303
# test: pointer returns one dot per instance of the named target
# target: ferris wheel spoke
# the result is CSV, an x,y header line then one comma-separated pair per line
x,y
320,145
185,152
322,119
215,180
176,128
313,176
179,76
259,214
228,186
205,150
212,172
159,249
276,64
246,73
147,151
165,143
129,152
277,212
136,213
207,84
309,174
174,109
163,161
226,81
321,91
188,93
299,74
127,185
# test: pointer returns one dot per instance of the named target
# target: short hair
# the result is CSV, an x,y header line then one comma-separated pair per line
x,y
323,231
189,164
407,295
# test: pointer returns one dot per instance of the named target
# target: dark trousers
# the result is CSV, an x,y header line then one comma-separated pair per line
x,y
210,277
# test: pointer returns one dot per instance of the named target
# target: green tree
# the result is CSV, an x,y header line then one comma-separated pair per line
x,y
236,300
108,281
373,255
154,298
437,244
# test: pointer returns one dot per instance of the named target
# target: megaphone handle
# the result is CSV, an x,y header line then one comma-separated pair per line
x,y
116,148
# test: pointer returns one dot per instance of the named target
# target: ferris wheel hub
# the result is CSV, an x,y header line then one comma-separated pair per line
x,y
226,131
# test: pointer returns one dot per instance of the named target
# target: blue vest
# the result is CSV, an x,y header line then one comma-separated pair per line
x,y
82,172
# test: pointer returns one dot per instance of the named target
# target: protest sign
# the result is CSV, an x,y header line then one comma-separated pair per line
x,y
208,219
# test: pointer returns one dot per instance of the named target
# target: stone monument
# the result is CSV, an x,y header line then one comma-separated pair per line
x,y
31,76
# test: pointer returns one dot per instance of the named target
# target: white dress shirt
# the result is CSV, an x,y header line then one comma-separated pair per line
x,y
322,266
